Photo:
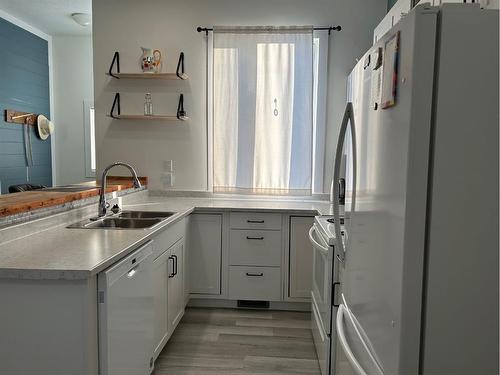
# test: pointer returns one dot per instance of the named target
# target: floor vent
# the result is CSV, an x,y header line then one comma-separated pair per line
x,y
253,304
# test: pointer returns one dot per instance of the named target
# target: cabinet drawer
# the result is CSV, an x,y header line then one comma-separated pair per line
x,y
255,283
255,220
255,248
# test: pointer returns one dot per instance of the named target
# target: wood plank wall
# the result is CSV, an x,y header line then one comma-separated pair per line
x,y
24,86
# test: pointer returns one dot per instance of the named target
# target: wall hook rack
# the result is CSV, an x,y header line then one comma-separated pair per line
x,y
114,71
115,112
19,117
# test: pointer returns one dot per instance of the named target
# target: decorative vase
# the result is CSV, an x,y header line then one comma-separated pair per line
x,y
150,60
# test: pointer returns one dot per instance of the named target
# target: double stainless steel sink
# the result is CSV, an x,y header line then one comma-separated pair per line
x,y
125,220
144,214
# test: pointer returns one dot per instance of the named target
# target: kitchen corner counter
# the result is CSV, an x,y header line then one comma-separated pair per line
x,y
46,249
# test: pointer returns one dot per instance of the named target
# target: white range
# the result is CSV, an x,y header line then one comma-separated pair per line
x,y
324,288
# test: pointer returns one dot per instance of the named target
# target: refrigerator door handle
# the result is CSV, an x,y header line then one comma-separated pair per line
x,y
360,333
343,342
348,117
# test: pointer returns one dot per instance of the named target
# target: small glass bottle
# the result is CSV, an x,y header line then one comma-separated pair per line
x,y
148,105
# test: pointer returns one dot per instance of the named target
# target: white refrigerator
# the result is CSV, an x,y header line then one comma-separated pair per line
x,y
419,270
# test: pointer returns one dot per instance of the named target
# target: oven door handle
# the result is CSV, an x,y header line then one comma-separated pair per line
x,y
315,243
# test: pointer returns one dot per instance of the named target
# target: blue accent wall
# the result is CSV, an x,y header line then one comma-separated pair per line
x,y
390,4
24,86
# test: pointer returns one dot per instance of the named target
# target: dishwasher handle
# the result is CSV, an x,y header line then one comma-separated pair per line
x,y
130,266
132,272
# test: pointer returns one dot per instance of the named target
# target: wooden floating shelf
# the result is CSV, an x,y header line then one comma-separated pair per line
x,y
180,115
114,71
150,118
159,76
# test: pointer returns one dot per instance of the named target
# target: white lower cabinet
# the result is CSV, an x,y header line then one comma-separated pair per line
x,y
255,248
255,283
160,277
300,270
168,287
205,253
251,266
255,220
175,300
255,256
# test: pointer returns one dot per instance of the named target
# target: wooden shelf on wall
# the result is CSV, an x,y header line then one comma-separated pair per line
x,y
114,71
115,112
158,76
150,118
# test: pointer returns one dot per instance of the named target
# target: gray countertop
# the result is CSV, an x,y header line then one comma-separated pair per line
x,y
46,249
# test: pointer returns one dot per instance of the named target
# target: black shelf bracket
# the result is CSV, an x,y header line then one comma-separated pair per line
x,y
180,108
180,65
116,103
116,58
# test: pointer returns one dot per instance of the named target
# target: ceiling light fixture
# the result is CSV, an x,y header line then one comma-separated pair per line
x,y
83,19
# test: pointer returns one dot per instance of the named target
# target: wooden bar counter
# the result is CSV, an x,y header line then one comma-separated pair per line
x,y
16,203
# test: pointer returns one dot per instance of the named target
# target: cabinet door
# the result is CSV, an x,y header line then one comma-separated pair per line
x,y
300,278
160,280
175,298
205,253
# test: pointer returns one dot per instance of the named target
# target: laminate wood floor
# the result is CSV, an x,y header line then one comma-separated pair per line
x,y
227,341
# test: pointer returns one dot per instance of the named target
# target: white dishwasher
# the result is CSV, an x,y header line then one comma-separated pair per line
x,y
126,315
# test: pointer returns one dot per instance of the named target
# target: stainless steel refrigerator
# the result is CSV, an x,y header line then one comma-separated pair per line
x,y
419,268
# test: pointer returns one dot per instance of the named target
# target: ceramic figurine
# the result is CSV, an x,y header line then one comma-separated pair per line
x,y
150,60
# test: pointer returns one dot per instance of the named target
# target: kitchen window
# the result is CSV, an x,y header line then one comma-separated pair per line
x,y
89,141
266,135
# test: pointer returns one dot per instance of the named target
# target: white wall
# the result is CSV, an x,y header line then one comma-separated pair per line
x,y
72,67
170,25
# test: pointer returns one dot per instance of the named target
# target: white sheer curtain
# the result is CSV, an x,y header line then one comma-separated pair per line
x,y
262,110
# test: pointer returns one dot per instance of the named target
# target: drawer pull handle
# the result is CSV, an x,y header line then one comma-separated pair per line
x,y
255,274
255,221
254,238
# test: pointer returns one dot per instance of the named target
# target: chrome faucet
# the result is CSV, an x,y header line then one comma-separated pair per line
x,y
103,205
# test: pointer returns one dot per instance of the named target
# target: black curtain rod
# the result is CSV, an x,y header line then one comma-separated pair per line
x,y
329,28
